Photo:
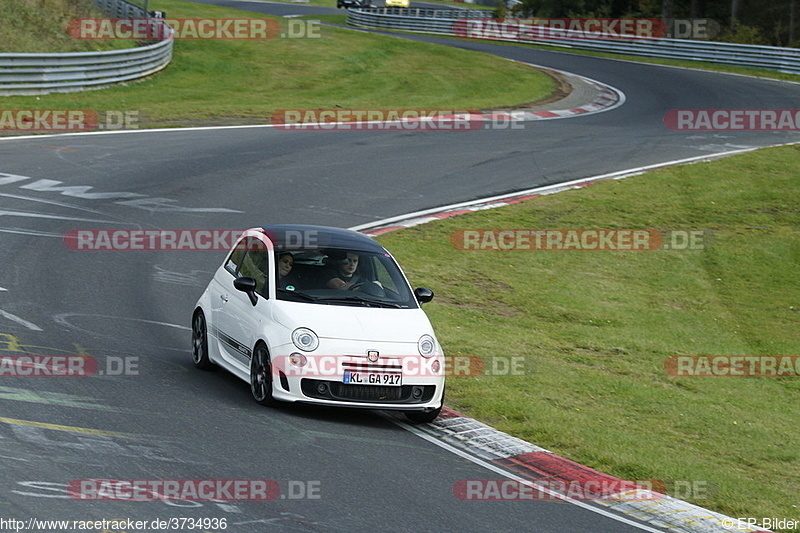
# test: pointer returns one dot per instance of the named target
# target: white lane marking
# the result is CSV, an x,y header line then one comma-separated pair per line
x,y
140,201
50,202
151,130
20,321
8,212
32,233
61,319
514,477
619,93
547,188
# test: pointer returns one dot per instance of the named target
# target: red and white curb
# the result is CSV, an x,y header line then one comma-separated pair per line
x,y
605,99
539,468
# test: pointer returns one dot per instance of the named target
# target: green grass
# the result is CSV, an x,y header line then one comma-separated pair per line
x,y
243,81
40,26
594,329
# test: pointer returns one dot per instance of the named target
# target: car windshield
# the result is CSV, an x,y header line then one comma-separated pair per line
x,y
335,276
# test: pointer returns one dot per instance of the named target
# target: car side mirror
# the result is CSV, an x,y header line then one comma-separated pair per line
x,y
423,295
247,285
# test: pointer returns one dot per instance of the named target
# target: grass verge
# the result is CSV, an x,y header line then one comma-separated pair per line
x,y
245,81
594,329
40,26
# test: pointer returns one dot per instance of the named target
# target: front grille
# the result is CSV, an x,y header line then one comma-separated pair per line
x,y
366,392
335,390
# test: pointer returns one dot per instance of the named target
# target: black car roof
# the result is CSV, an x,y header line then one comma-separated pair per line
x,y
290,236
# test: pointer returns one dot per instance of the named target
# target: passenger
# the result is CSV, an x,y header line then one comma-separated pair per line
x,y
285,264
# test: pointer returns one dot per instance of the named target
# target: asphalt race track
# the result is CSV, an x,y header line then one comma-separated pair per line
x,y
159,418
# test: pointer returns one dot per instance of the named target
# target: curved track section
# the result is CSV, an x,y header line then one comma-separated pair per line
x,y
157,417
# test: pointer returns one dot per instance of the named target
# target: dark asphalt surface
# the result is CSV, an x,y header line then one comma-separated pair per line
x,y
173,422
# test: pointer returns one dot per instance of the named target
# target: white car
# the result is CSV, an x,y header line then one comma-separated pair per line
x,y
320,315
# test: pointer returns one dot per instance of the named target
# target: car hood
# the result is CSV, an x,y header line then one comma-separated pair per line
x,y
355,323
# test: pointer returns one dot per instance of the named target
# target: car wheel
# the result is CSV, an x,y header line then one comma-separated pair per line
x,y
423,417
261,376
200,342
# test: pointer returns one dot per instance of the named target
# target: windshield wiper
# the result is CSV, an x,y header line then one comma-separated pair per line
x,y
362,300
301,295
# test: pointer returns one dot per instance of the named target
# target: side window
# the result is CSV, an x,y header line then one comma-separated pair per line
x,y
250,259
235,260
384,277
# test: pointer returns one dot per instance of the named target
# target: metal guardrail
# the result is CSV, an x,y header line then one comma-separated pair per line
x,y
29,74
443,22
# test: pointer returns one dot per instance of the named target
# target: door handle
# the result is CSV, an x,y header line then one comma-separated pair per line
x,y
224,297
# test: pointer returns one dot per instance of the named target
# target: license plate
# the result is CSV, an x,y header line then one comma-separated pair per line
x,y
390,379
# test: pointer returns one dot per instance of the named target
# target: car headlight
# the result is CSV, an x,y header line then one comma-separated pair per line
x,y
305,339
426,346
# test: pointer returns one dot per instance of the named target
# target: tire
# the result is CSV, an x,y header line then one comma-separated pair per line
x,y
261,376
200,342
424,417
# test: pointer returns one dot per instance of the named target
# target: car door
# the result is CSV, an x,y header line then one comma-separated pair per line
x,y
237,319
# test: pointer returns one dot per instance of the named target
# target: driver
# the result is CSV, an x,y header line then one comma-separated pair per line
x,y
345,275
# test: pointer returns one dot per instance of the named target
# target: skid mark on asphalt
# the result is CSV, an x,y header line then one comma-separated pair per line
x,y
59,427
73,443
55,398
193,278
